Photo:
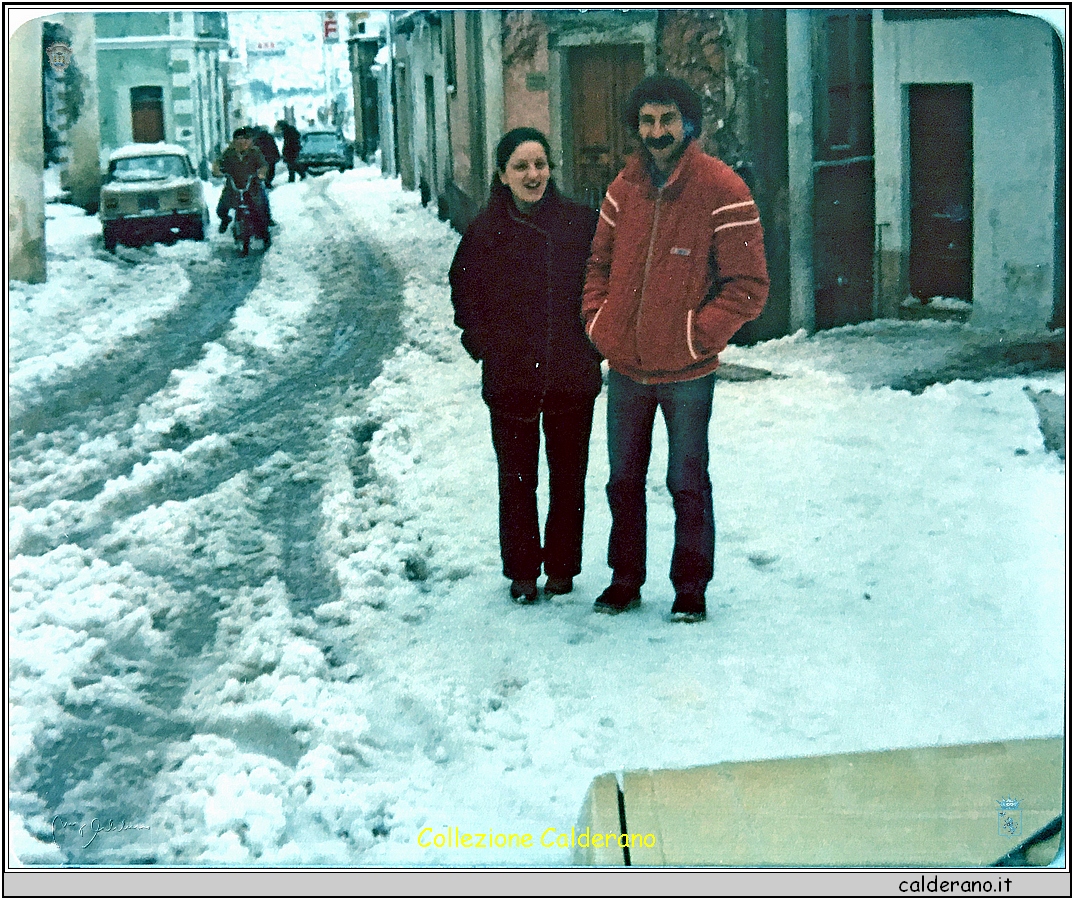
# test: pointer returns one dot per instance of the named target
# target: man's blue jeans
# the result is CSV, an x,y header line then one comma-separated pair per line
x,y
687,408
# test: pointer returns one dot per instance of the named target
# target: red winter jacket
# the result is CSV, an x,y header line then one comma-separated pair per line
x,y
674,272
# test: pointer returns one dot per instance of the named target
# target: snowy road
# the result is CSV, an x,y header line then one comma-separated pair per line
x,y
271,416
256,609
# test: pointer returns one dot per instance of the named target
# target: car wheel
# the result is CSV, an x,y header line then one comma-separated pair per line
x,y
197,229
109,239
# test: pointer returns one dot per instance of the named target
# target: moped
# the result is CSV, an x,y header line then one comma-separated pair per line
x,y
251,219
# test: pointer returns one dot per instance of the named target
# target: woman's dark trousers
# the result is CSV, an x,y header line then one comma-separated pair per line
x,y
687,408
517,444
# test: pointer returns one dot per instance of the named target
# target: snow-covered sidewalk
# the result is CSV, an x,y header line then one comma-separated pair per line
x,y
890,573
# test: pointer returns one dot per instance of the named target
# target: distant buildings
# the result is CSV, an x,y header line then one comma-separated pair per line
x,y
293,65
894,153
362,49
162,76
99,81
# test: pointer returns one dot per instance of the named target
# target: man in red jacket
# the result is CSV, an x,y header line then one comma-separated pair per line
x,y
677,267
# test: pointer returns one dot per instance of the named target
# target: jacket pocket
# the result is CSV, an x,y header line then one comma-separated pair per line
x,y
691,338
662,340
591,328
713,327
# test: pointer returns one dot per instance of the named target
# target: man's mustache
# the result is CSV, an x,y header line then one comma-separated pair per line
x,y
660,143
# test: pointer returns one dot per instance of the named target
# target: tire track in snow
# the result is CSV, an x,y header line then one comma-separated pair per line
x,y
272,442
117,384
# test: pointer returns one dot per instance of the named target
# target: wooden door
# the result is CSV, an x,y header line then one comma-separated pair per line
x,y
843,174
601,79
147,115
941,190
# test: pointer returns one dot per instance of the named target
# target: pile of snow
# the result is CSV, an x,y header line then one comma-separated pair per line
x,y
944,304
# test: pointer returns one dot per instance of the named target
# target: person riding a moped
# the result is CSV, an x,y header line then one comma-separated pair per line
x,y
242,161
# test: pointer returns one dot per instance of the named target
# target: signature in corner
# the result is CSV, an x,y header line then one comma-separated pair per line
x,y
93,828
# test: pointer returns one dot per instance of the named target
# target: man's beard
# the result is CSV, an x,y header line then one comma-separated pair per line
x,y
660,143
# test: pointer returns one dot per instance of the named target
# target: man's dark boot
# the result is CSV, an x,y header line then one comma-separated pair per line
x,y
617,598
689,606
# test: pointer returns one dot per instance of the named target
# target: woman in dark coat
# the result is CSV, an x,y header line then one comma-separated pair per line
x,y
516,285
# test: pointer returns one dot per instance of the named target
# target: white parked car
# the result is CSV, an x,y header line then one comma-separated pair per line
x,y
152,193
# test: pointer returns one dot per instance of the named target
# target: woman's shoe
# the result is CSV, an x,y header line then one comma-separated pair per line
x,y
555,586
524,592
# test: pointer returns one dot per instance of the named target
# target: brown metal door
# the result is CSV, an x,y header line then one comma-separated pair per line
x,y
147,115
601,79
843,176
941,190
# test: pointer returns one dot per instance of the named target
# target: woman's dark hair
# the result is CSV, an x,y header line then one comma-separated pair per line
x,y
665,89
511,141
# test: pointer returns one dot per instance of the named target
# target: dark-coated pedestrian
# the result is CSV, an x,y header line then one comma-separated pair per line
x,y
292,144
516,284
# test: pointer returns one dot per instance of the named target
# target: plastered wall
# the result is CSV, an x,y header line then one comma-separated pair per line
x,y
1008,60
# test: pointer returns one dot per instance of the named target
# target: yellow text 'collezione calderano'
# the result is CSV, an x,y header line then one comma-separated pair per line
x,y
455,838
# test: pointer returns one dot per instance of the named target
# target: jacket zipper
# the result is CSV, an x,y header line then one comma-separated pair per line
x,y
645,274
542,377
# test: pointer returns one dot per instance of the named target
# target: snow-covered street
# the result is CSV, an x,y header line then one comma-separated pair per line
x,y
255,603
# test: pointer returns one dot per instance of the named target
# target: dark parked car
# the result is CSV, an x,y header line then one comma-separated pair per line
x,y
151,193
324,150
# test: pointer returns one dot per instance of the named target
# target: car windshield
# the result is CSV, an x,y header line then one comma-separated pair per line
x,y
320,143
149,168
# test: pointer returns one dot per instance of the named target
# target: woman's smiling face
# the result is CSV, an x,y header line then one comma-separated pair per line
x,y
527,174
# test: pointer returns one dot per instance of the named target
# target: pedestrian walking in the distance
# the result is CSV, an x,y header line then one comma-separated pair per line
x,y
292,144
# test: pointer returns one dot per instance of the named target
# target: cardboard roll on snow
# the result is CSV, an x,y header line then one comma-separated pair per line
x,y
969,805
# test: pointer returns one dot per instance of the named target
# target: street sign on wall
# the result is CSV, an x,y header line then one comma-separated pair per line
x,y
331,28
270,48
